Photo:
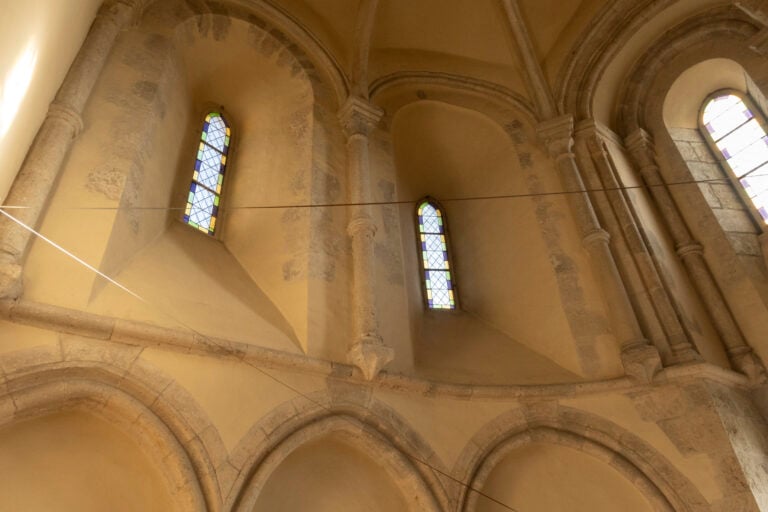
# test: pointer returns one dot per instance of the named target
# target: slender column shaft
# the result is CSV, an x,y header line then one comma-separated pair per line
x,y
46,156
692,255
640,358
680,345
362,230
367,350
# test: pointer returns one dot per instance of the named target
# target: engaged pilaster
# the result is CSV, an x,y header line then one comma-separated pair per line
x,y
691,253
61,126
676,337
367,351
641,360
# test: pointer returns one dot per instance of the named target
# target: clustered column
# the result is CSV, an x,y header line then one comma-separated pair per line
x,y
54,139
691,253
367,351
641,360
679,344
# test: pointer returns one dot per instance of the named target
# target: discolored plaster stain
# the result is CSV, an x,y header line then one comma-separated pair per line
x,y
525,159
145,90
585,324
390,262
107,181
327,187
516,131
291,270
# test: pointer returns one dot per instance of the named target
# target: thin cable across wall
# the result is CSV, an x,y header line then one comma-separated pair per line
x,y
212,341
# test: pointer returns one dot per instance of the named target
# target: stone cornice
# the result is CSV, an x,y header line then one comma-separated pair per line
x,y
128,332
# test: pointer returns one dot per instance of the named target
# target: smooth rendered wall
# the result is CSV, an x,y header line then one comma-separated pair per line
x,y
75,462
39,39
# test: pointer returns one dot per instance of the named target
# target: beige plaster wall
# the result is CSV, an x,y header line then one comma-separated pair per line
x,y
328,475
76,462
38,41
512,290
575,482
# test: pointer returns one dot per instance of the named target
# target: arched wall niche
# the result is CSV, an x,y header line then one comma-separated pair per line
x,y
74,461
146,113
114,388
589,83
661,485
450,140
338,425
713,53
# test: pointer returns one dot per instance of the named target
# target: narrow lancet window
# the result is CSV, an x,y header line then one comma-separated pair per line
x,y
438,283
737,131
202,209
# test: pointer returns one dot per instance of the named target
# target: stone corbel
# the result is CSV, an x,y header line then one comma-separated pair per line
x,y
358,116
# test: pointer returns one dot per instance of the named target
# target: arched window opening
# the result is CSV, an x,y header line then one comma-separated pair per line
x,y
737,131
439,288
202,209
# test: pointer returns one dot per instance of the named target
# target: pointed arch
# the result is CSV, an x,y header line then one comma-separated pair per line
x,y
437,274
358,435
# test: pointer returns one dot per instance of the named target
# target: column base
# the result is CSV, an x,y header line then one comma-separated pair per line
x,y
744,360
685,354
370,355
10,280
641,361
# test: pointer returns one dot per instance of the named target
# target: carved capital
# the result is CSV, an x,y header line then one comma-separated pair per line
x,y
745,360
641,361
122,13
640,145
359,117
68,115
557,135
370,354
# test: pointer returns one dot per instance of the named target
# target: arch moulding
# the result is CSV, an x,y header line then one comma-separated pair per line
x,y
665,488
111,383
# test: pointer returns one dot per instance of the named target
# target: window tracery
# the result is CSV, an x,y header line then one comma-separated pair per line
x,y
439,287
737,132
203,201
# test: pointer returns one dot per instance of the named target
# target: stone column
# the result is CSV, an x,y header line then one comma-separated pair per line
x,y
54,139
679,344
691,253
367,351
641,360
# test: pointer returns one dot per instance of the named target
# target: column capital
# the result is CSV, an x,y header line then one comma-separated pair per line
x,y
358,116
557,135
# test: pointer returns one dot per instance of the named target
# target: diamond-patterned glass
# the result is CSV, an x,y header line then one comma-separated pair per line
x,y
743,143
208,177
434,256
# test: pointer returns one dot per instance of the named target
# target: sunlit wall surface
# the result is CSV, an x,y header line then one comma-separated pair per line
x,y
39,39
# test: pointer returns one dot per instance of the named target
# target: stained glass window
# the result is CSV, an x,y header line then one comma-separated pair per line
x,y
438,282
738,132
202,209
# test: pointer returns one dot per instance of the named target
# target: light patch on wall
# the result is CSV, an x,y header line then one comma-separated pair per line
x,y
15,87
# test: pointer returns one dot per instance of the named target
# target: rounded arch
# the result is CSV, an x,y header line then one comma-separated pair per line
x,y
339,408
498,103
677,51
128,393
660,483
297,46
